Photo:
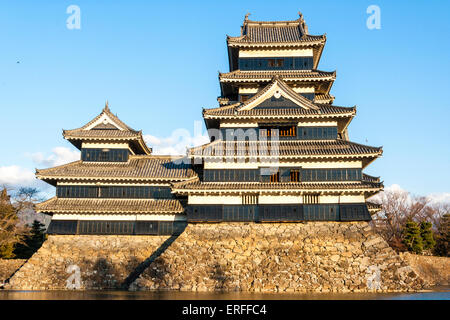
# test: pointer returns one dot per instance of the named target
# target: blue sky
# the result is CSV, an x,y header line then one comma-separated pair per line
x,y
157,62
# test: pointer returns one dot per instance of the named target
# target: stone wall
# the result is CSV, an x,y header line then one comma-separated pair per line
x,y
103,262
275,257
8,267
435,270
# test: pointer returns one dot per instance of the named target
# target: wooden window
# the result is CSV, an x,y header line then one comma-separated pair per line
x,y
118,155
275,177
249,199
275,63
62,227
318,133
295,175
290,131
354,212
321,212
310,198
285,131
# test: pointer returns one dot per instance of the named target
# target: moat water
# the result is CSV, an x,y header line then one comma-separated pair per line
x,y
437,293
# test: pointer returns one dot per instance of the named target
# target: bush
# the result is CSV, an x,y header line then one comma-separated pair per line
x,y
427,235
31,242
412,237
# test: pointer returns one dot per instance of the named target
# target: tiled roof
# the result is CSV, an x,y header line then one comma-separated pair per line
x,y
324,110
275,32
102,134
107,131
370,178
196,184
324,98
293,105
125,206
373,207
269,34
121,126
286,75
284,149
136,168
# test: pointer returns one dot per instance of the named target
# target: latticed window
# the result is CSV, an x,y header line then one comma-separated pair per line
x,y
284,131
131,192
114,155
295,175
275,177
318,133
285,63
250,199
310,198
272,63
290,131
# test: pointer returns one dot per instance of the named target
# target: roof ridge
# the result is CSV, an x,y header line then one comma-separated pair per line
x,y
106,110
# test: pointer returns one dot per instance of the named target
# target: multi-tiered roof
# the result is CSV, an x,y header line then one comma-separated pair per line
x,y
139,168
300,164
107,127
276,35
277,97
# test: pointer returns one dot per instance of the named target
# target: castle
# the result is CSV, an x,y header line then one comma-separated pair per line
x,y
279,151
275,202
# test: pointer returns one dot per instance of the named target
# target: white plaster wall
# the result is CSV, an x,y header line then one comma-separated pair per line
x,y
272,199
223,199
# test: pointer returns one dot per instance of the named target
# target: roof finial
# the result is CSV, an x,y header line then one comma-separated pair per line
x,y
302,23
246,16
106,106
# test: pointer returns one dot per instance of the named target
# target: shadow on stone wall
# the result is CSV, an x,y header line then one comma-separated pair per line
x,y
158,271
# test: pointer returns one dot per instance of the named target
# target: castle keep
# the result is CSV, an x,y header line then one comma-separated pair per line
x,y
279,151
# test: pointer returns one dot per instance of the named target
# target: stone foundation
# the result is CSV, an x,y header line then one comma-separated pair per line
x,y
103,262
8,267
275,257
434,270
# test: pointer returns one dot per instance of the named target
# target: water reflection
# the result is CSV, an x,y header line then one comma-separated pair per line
x,y
441,293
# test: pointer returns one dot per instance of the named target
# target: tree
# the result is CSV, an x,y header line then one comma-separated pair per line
x,y
32,242
11,232
26,197
7,251
426,234
443,237
398,207
412,238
